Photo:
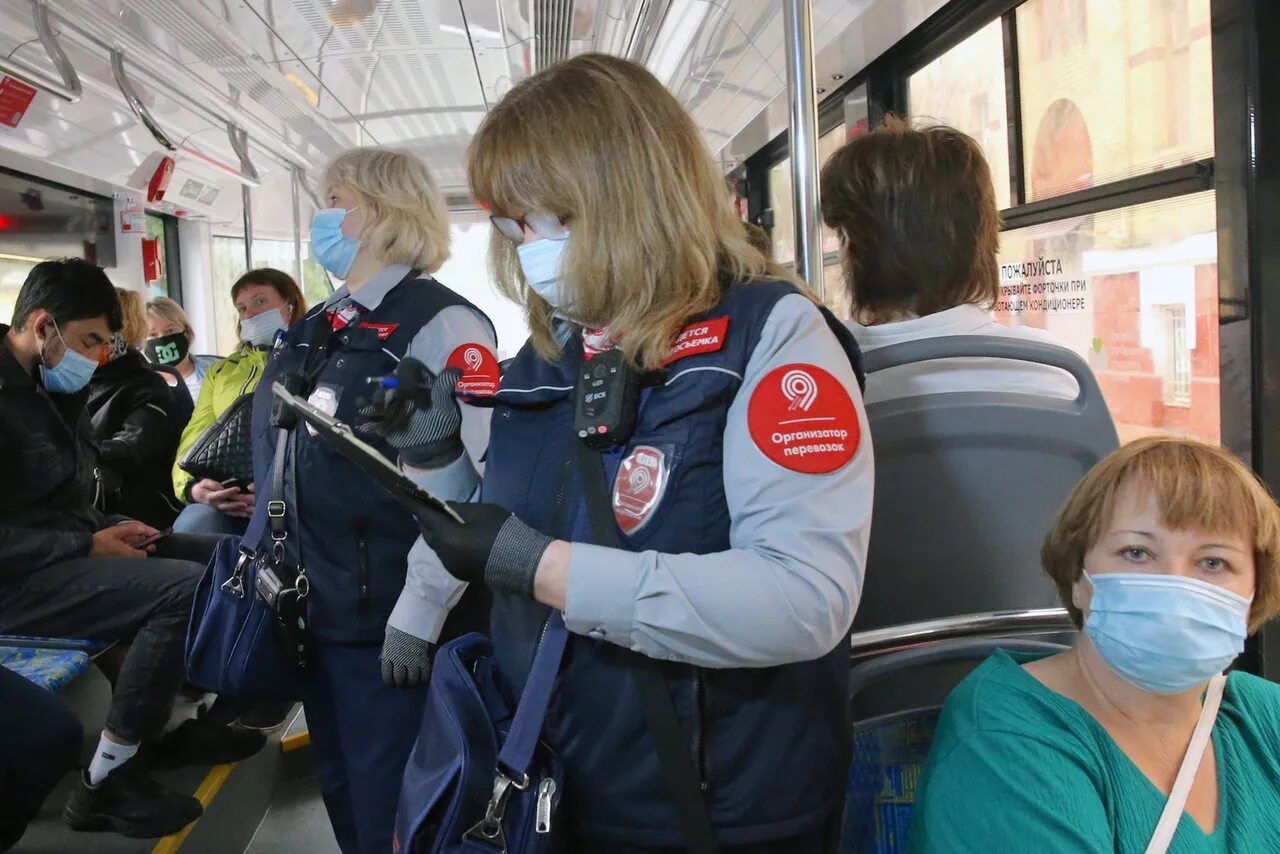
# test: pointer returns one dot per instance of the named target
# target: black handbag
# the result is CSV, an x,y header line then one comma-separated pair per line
x,y
224,452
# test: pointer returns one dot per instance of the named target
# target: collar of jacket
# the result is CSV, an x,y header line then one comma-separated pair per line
x,y
11,373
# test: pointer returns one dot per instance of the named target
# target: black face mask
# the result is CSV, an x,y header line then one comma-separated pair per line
x,y
167,349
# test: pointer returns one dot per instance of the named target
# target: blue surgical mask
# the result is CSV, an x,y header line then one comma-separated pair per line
x,y
1164,633
260,330
334,250
542,262
72,373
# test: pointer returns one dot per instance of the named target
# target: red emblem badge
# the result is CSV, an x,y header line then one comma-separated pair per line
x,y
638,488
384,330
480,371
803,419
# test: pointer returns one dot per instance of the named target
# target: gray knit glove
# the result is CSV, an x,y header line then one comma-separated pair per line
x,y
420,418
406,659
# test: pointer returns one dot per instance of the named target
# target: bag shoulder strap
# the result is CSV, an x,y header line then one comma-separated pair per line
x,y
669,740
1172,814
252,538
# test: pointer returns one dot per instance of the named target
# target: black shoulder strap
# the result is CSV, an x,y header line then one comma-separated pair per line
x,y
655,700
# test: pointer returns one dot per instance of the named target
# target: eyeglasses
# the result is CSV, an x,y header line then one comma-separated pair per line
x,y
541,223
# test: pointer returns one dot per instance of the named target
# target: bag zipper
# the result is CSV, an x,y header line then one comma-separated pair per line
x,y
699,735
546,791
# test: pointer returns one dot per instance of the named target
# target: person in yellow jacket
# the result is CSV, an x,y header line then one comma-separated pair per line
x,y
267,301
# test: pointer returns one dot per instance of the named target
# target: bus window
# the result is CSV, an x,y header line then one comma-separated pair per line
x,y
1134,291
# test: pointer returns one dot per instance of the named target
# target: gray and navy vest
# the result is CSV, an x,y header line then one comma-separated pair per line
x,y
770,745
349,533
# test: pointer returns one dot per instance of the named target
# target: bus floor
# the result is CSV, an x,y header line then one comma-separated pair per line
x,y
267,804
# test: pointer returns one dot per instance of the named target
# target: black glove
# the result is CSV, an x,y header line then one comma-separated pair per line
x,y
494,547
406,659
420,418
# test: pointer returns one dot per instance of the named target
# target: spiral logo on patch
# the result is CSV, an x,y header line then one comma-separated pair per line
x,y
639,480
473,359
800,389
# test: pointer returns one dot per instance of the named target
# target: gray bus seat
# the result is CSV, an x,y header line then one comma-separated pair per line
x,y
967,484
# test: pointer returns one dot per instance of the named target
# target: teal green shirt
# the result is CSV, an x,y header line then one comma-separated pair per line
x,y
1017,767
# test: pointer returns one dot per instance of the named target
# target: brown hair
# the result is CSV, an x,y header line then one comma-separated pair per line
x,y
759,238
916,212
279,281
599,141
1195,485
134,329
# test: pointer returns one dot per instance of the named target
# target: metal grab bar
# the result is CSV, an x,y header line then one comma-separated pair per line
x,y
245,173
907,635
69,89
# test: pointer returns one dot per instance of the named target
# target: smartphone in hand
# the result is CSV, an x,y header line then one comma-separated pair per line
x,y
234,483
142,544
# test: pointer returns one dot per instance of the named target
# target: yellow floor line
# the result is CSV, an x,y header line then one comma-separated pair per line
x,y
205,794
297,741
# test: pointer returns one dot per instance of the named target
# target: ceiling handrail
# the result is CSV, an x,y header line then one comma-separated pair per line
x,y
69,89
245,172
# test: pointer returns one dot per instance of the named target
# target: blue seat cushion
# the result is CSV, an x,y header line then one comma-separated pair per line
x,y
49,668
889,753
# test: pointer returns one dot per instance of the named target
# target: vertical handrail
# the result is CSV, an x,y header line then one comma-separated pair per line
x,y
246,199
69,89
294,197
798,17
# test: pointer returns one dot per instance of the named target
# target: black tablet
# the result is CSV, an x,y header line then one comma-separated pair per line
x,y
364,455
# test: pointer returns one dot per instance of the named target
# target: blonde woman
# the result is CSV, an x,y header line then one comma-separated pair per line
x,y
169,339
738,477
134,427
385,231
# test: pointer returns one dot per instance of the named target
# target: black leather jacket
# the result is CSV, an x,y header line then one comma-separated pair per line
x,y
46,468
131,410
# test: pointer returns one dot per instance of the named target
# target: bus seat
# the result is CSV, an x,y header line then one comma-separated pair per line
x,y
889,750
50,663
183,405
967,484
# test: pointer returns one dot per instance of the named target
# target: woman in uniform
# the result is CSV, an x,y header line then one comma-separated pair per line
x,y
385,231
740,496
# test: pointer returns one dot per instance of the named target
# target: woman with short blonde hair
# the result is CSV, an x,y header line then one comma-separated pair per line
x,y
134,331
169,340
1166,555
384,232
690,391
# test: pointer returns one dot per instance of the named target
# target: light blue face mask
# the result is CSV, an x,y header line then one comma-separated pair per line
x,y
542,262
260,330
73,371
1164,633
333,250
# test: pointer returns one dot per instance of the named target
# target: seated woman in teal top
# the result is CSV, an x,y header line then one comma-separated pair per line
x,y
1166,554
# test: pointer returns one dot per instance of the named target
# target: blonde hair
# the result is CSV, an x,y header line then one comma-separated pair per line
x,y
169,310
599,141
134,328
1195,486
410,220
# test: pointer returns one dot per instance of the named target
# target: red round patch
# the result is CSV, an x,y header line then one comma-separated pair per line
x,y
480,371
803,419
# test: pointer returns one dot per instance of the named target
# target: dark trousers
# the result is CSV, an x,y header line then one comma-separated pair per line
x,y
145,602
362,733
39,742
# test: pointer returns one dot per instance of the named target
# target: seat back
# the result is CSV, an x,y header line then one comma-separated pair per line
x,y
967,484
890,750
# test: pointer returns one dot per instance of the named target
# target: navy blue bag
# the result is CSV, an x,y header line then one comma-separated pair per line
x,y
234,639
480,780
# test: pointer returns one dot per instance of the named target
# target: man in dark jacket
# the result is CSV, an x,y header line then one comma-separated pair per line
x,y
136,433
68,571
